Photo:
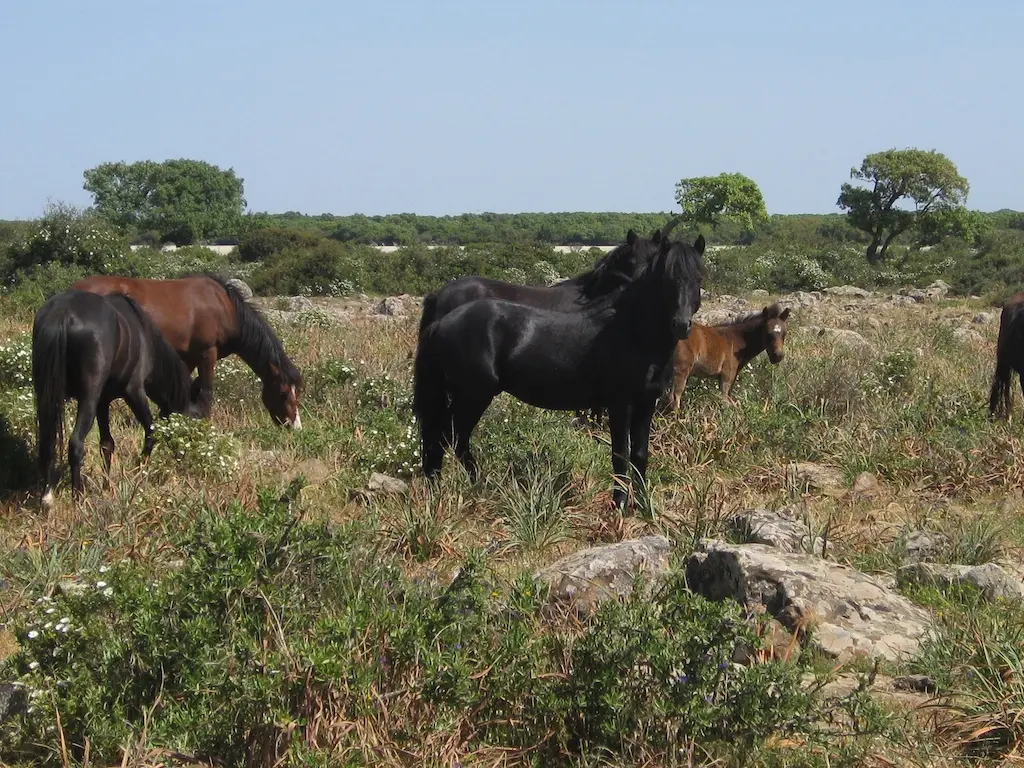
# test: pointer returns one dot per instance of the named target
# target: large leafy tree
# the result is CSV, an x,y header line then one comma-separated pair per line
x,y
728,196
905,188
178,200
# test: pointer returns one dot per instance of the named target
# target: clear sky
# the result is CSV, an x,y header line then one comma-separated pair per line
x,y
445,107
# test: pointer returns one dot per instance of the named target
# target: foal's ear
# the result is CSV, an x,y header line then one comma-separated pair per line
x,y
785,314
630,237
699,245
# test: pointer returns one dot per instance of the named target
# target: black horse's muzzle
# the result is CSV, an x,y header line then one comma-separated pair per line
x,y
681,328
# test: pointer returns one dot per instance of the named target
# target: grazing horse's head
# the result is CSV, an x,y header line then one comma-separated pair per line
x,y
680,267
281,398
775,331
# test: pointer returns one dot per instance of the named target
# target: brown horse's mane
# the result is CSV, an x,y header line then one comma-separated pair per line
x,y
257,343
753,319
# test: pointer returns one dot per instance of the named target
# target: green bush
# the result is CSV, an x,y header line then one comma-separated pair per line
x,y
996,267
328,268
261,244
271,632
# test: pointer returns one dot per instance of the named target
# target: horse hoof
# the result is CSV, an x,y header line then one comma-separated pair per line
x,y
47,500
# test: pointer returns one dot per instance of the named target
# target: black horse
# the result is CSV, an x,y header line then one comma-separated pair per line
x,y
1009,357
611,271
96,349
615,352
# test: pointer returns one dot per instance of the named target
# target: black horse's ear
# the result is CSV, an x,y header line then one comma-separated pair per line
x,y
656,236
785,314
630,237
699,244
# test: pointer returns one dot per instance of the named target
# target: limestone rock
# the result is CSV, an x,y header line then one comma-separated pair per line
x,y
842,337
392,306
992,581
387,484
866,484
783,529
242,287
851,291
985,318
924,545
816,477
850,613
583,579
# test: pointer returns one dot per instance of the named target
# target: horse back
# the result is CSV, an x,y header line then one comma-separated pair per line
x,y
193,313
705,349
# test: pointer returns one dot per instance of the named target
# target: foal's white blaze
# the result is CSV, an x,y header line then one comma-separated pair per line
x,y
48,499
297,421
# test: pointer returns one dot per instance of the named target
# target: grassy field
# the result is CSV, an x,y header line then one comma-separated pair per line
x,y
243,599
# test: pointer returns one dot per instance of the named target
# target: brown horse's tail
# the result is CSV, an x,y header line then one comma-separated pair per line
x,y
1000,400
49,378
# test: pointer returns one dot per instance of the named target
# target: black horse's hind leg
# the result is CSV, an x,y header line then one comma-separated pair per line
x,y
137,401
619,417
106,439
466,415
76,444
435,438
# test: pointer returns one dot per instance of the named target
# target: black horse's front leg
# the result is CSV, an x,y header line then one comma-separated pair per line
x,y
619,417
640,433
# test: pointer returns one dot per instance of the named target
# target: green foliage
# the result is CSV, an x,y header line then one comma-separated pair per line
x,y
996,267
731,196
67,237
180,200
272,632
927,179
327,268
264,243
194,446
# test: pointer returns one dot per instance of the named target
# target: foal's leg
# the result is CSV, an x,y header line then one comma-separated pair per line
x,y
466,415
76,444
106,439
137,401
618,424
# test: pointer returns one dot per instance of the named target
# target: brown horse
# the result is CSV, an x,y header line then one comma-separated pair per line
x,y
723,350
204,318
1009,357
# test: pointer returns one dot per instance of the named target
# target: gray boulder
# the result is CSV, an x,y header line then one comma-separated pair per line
x,y
392,306
992,581
850,291
924,545
815,477
850,613
579,581
386,484
242,287
841,337
784,529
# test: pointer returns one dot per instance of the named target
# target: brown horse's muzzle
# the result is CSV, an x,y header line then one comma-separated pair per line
x,y
775,357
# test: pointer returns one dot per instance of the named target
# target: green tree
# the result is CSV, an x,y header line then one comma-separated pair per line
x,y
728,196
180,200
927,180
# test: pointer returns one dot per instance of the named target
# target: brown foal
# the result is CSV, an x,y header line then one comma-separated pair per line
x,y
723,350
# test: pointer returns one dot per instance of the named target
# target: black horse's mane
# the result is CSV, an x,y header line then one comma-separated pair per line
x,y
257,343
169,377
617,267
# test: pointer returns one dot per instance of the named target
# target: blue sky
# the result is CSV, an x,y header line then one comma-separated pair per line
x,y
449,107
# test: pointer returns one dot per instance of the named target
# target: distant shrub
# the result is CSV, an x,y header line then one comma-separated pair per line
x,y
328,268
996,267
261,244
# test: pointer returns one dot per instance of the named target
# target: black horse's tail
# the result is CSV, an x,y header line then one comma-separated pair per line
x,y
49,377
429,312
1000,398
169,380
430,402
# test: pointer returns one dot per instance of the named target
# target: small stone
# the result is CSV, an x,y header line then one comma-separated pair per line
x,y
578,582
925,545
387,484
919,683
242,287
967,335
783,529
989,579
759,292
815,477
392,306
984,318
866,484
294,304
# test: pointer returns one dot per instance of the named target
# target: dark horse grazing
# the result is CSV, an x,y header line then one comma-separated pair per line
x,y
97,349
722,350
1009,357
613,353
617,267
204,319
